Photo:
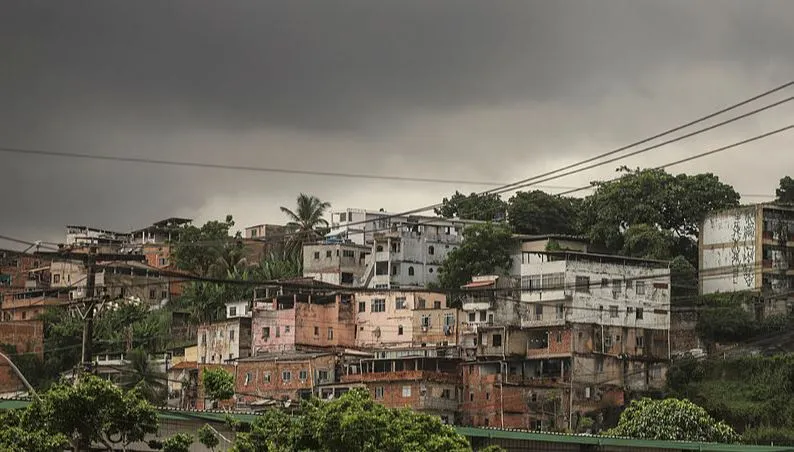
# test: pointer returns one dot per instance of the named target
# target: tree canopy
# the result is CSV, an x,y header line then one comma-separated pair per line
x,y
92,411
306,223
785,192
218,383
198,249
353,423
486,249
482,207
536,212
671,420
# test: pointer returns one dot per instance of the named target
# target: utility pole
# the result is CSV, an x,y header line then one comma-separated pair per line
x,y
90,299
89,261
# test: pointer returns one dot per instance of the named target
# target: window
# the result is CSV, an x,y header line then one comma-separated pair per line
x,y
640,341
655,372
607,341
483,316
286,329
394,270
425,321
437,304
203,338
582,284
399,330
554,281
399,303
420,303
639,313
531,282
472,317
152,293
286,375
162,262
265,332
406,391
347,278
322,375
231,335
330,333
56,278
449,319
316,331
247,378
379,305
410,271
639,287
613,311
379,393
538,311
616,288
303,375
316,255
328,254
560,311
559,337
487,396
232,311
431,250
629,283
604,283
497,340
266,377
278,331
343,216
24,315
362,306
599,365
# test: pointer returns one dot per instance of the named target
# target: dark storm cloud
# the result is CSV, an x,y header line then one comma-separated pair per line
x,y
353,85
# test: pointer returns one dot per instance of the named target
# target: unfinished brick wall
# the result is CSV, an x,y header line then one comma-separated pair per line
x,y
27,337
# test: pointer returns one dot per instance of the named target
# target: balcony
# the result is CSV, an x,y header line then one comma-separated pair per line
x,y
437,404
545,380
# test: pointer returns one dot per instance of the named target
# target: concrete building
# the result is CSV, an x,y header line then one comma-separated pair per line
x,y
584,328
83,236
304,321
750,249
404,320
225,341
264,231
335,262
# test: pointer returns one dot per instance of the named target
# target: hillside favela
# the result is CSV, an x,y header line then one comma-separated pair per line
x,y
351,226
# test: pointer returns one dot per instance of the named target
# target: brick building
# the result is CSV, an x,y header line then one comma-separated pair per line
x,y
224,341
23,337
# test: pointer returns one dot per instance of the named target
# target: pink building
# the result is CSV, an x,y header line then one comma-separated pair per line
x,y
297,321
392,319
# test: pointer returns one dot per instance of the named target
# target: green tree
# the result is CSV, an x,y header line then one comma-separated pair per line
x,y
197,249
648,242
26,430
354,423
536,212
785,192
671,420
180,442
306,223
140,374
486,249
482,207
279,263
218,383
653,197
684,279
230,259
207,437
95,410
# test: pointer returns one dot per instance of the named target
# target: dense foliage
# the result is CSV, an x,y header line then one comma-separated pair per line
x,y
537,212
92,411
218,384
671,419
482,207
353,423
486,249
785,192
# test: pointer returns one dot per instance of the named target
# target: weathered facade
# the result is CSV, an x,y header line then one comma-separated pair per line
x,y
749,249
404,319
337,263
291,322
576,332
224,341
22,337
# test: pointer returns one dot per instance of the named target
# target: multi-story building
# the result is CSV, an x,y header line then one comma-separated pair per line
x,y
304,321
404,320
81,237
584,328
336,262
224,341
406,250
264,231
24,280
749,249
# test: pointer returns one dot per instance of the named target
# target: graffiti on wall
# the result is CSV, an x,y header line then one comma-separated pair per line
x,y
743,257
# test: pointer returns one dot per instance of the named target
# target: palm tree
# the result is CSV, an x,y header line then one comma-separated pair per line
x,y
231,259
307,222
143,377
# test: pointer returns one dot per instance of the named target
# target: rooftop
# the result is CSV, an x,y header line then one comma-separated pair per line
x,y
578,255
286,356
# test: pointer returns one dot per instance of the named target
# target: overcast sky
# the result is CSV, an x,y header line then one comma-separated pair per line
x,y
451,89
